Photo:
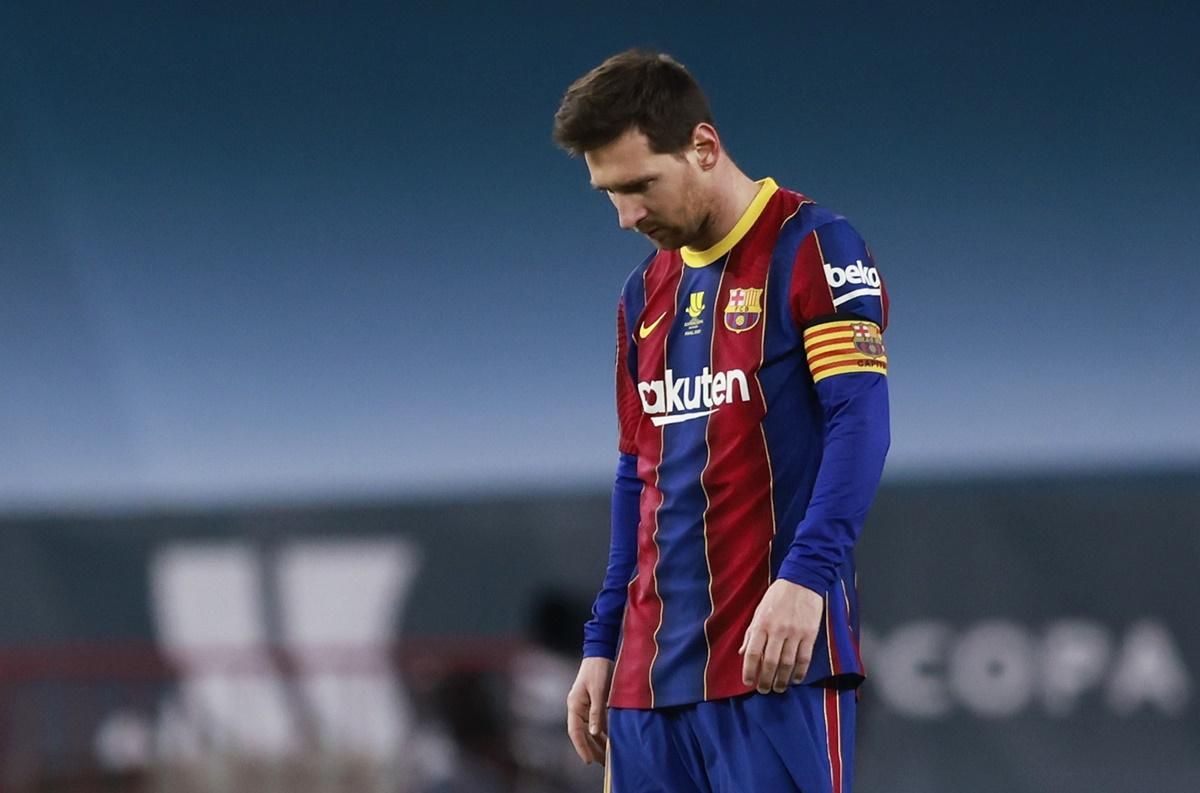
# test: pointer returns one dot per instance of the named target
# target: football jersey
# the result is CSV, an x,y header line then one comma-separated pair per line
x,y
749,376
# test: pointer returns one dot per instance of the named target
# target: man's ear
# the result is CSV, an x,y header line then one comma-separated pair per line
x,y
707,145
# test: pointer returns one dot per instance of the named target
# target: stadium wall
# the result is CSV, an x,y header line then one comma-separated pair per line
x,y
1021,634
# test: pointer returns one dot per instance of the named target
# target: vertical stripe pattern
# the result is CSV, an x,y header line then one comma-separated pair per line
x,y
726,481
632,678
741,519
833,737
683,581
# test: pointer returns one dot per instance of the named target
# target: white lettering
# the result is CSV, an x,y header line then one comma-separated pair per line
x,y
309,597
1075,654
910,667
739,377
340,593
992,670
705,386
998,668
691,393
654,389
1149,670
675,393
856,273
693,396
185,581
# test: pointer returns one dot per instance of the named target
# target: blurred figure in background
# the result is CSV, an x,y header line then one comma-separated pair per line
x,y
542,677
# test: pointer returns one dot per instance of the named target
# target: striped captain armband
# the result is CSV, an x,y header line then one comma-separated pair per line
x,y
842,346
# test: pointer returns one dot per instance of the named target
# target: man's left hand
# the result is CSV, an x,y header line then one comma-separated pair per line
x,y
779,642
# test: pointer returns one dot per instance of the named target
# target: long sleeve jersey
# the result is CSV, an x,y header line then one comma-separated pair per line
x,y
753,426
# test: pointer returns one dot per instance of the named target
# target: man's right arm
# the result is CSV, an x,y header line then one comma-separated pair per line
x,y
586,715
587,722
603,630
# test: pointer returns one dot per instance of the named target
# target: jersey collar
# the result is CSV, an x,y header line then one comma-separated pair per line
x,y
694,258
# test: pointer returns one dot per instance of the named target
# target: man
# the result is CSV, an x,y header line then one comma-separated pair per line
x,y
753,426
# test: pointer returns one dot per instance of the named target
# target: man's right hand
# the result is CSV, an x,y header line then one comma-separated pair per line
x,y
587,709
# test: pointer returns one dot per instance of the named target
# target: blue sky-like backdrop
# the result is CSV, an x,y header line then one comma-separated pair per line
x,y
317,251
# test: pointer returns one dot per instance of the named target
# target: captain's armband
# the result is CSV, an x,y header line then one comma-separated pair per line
x,y
841,346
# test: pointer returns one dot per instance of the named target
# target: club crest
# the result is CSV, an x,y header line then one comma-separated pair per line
x,y
743,310
867,339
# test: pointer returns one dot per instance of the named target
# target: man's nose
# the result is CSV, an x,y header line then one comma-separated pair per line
x,y
630,211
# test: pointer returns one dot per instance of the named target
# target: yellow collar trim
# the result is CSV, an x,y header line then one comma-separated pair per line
x,y
694,258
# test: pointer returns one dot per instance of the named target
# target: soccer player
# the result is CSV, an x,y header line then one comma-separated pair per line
x,y
753,426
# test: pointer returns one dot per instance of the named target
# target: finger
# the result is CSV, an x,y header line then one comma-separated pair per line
x,y
787,676
750,630
786,672
577,719
596,716
770,664
756,640
803,658
800,663
787,665
579,737
596,748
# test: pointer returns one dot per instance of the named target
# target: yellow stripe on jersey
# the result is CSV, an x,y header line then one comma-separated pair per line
x,y
845,346
694,258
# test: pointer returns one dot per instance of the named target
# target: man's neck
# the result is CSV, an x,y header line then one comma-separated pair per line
x,y
733,198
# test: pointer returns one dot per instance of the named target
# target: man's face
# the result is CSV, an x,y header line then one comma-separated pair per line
x,y
659,195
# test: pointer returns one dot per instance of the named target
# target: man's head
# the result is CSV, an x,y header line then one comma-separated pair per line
x,y
645,130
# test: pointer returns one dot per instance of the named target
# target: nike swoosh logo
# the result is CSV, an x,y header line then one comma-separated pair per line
x,y
646,330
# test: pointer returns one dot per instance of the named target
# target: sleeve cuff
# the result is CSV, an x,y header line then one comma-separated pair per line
x,y
594,649
799,574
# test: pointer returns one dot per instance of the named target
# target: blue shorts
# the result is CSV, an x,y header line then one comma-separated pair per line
x,y
800,740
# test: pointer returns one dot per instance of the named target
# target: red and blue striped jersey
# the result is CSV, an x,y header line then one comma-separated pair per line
x,y
752,400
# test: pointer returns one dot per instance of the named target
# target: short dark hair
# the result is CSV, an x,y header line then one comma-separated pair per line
x,y
636,88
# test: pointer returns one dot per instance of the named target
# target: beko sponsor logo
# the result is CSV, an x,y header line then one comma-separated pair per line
x,y
856,273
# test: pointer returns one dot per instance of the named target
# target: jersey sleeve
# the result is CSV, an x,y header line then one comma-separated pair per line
x,y
602,632
839,301
628,403
834,276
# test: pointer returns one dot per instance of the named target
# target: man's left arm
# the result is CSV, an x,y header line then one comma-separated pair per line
x,y
839,299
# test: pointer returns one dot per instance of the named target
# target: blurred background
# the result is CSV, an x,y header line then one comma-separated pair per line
x,y
306,423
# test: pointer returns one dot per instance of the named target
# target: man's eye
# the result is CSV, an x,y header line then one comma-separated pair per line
x,y
630,189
